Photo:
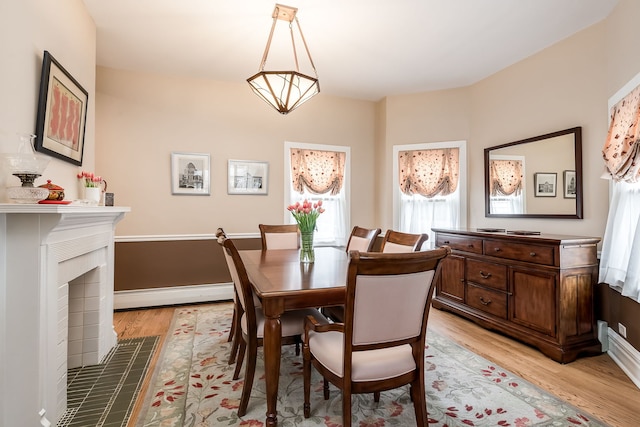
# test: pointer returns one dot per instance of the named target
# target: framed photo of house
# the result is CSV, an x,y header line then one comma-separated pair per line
x,y
190,173
545,184
247,177
62,113
570,185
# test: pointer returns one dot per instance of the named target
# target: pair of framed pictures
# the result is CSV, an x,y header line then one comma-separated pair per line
x,y
191,175
546,183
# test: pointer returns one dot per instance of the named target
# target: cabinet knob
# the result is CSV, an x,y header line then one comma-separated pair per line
x,y
496,249
485,275
462,280
532,254
484,302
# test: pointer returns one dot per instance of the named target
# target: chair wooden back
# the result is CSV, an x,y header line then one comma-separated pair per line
x,y
362,239
397,242
388,299
285,236
244,291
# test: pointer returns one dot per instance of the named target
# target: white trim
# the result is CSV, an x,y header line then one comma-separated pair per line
x,y
461,145
179,237
625,356
622,92
173,295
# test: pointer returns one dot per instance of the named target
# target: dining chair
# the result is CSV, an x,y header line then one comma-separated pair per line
x,y
251,325
396,241
234,332
285,236
380,346
362,240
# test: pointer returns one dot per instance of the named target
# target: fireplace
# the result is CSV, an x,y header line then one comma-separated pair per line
x,y
56,303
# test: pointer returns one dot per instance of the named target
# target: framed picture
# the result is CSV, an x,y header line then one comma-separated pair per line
x,y
247,177
570,185
190,173
62,113
545,184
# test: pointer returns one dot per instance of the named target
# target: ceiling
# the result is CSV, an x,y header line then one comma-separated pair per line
x,y
363,49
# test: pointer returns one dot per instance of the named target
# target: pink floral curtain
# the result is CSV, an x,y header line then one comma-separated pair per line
x,y
505,177
620,150
319,172
429,172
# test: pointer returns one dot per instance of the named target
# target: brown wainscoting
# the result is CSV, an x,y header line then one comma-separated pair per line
x,y
614,308
162,264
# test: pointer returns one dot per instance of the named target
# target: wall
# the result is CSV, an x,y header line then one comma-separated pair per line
x,y
28,28
142,118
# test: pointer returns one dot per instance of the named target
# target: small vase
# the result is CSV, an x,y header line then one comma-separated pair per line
x,y
306,247
92,195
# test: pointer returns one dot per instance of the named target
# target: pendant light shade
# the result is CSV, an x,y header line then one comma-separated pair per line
x,y
285,90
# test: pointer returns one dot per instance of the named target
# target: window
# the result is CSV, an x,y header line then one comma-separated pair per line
x,y
429,182
507,194
331,186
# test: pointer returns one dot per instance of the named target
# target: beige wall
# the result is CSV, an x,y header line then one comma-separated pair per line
x,y
142,118
67,31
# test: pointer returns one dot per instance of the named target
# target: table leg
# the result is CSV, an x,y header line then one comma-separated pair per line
x,y
272,353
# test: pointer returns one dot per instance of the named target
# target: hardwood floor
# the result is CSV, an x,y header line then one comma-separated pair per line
x,y
595,384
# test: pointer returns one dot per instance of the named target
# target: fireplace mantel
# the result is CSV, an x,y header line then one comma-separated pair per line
x,y
44,248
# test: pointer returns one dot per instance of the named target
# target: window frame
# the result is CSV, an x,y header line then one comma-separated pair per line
x,y
462,182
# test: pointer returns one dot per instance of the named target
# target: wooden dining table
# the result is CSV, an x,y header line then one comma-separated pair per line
x,y
283,283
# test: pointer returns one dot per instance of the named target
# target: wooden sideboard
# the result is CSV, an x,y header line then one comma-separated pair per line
x,y
538,289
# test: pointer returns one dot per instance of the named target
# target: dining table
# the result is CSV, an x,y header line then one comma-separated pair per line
x,y
282,282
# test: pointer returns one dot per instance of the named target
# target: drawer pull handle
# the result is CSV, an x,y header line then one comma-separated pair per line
x,y
470,245
446,242
485,275
496,249
483,302
532,254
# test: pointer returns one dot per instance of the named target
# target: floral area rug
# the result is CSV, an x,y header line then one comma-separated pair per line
x,y
193,386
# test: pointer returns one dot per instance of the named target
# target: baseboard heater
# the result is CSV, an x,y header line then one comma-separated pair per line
x,y
172,295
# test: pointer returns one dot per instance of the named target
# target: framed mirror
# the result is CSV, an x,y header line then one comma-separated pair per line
x,y
539,177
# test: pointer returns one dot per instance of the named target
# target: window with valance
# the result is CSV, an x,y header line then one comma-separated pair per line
x,y
430,173
505,177
317,171
620,152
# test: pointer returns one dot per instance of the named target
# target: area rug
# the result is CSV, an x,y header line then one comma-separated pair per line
x,y
193,387
103,395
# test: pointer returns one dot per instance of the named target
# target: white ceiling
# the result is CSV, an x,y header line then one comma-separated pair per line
x,y
364,49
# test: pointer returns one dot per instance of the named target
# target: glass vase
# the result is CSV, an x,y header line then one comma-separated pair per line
x,y
306,247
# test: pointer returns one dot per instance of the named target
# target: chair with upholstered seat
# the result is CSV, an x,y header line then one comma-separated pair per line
x,y
396,241
285,236
381,344
252,321
361,240
234,333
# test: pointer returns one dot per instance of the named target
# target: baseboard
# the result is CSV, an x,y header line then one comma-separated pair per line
x,y
173,295
625,356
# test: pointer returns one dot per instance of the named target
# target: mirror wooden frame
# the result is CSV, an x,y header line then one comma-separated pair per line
x,y
577,133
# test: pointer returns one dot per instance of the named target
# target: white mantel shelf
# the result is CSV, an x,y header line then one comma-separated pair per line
x,y
45,250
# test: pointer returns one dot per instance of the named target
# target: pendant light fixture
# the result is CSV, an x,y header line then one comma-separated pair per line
x,y
285,90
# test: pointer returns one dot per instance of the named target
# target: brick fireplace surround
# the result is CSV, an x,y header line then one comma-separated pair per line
x,y
56,303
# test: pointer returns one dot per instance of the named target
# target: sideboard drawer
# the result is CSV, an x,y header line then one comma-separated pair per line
x,y
487,274
519,251
492,302
466,244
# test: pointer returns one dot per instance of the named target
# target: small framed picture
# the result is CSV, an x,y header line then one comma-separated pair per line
x,y
570,185
190,173
545,184
62,113
247,177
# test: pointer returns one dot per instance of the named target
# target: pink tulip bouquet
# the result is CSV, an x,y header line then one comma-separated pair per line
x,y
306,214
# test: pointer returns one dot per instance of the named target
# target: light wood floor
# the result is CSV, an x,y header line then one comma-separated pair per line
x,y
594,384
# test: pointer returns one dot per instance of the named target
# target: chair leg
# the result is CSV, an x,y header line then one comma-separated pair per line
x,y
241,350
376,396
346,408
306,375
418,396
237,337
233,324
249,373
325,389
